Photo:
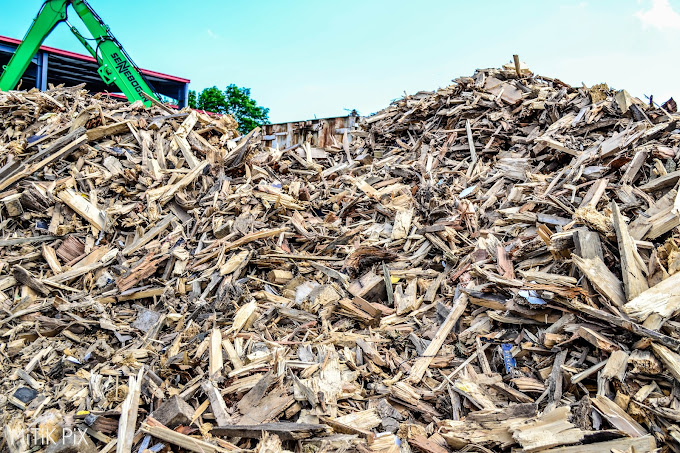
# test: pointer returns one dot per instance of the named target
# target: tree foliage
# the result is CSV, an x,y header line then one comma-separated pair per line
x,y
192,99
234,101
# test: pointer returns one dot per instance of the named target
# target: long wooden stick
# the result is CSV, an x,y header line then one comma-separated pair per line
x,y
423,363
128,414
181,440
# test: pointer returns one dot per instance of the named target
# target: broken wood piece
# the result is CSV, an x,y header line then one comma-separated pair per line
x,y
157,430
23,276
128,414
217,404
662,299
12,205
618,417
602,279
597,340
285,430
97,218
149,235
634,281
423,363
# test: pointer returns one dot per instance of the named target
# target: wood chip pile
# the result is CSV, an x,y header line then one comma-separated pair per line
x,y
489,267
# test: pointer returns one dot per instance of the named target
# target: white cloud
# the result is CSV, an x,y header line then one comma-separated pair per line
x,y
661,16
212,34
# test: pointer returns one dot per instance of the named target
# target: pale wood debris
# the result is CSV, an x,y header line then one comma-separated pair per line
x,y
492,266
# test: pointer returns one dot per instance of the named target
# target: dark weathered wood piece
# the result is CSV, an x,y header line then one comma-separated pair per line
x,y
285,430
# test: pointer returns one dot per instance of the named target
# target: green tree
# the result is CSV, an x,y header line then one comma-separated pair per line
x,y
241,106
213,100
234,101
192,99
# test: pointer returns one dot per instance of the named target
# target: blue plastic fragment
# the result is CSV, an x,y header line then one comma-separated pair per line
x,y
145,443
532,297
34,138
508,359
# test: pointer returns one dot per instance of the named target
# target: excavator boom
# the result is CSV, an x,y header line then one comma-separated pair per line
x,y
115,65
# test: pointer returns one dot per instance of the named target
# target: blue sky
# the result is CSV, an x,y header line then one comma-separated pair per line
x,y
317,58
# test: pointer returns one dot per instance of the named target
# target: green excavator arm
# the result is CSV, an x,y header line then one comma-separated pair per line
x,y
115,65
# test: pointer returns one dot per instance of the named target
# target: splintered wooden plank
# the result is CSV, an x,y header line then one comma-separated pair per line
x,y
554,144
51,259
136,295
612,144
99,258
402,223
603,280
282,199
167,193
473,150
634,166
669,358
661,182
578,377
269,407
28,240
144,269
343,428
423,363
550,429
157,430
366,188
215,363
128,414
180,139
217,404
662,222
364,312
595,192
624,324
587,244
285,430
107,130
366,285
645,444
85,209
659,213
616,366
253,237
233,356
24,277
597,340
662,299
441,245
474,392
634,282
618,417
406,300
216,246
149,235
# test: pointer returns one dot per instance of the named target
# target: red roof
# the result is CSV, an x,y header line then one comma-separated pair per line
x,y
82,57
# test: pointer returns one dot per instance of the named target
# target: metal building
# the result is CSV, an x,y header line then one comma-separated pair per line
x,y
58,66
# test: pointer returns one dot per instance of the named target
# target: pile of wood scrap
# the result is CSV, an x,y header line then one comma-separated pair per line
x,y
489,267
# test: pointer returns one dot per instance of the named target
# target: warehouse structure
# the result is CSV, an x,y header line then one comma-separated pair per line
x,y
56,66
